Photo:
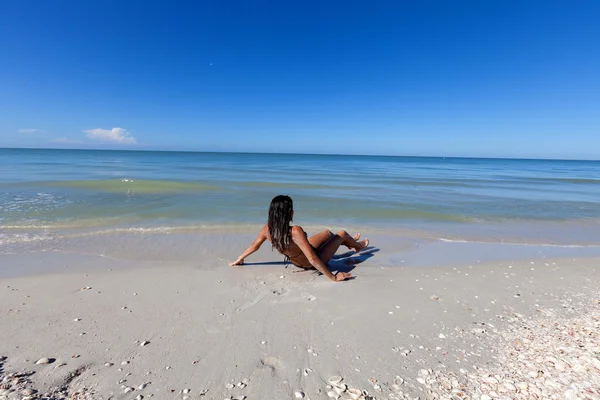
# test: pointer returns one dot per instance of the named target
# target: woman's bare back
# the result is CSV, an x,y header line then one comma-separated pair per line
x,y
293,252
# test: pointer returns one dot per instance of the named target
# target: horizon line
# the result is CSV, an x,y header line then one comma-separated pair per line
x,y
306,154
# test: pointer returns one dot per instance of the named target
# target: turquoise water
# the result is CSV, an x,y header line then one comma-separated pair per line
x,y
54,190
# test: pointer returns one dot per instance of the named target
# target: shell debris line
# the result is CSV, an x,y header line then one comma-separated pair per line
x,y
545,357
19,386
337,389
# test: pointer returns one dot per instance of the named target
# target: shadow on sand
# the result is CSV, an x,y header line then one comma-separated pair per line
x,y
344,262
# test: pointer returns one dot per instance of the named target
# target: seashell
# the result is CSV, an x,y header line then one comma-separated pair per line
x,y
144,343
354,393
142,386
186,391
333,394
28,392
335,380
307,371
340,388
242,397
398,381
139,397
44,360
442,336
299,395
552,360
128,389
229,385
491,380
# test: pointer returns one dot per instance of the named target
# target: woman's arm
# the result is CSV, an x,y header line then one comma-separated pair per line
x,y
299,237
260,239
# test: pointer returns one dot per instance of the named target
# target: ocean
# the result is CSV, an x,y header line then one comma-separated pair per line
x,y
46,195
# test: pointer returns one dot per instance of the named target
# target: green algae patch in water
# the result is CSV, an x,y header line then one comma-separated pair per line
x,y
133,185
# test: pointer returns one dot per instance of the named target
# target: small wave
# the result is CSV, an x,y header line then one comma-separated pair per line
x,y
420,215
557,180
580,181
446,183
492,241
6,239
286,185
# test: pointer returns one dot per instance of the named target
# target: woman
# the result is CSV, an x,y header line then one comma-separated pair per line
x,y
291,241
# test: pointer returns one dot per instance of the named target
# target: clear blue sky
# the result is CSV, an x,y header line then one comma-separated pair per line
x,y
450,78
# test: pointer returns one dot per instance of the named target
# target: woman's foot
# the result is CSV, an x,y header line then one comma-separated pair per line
x,y
363,244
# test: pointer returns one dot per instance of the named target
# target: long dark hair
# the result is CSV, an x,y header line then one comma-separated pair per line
x,y
280,216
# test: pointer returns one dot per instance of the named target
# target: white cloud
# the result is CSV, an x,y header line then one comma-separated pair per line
x,y
27,130
114,135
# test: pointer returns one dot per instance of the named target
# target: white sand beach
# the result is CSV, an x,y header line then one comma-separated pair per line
x,y
120,329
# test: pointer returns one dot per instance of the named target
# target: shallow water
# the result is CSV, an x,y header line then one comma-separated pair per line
x,y
46,195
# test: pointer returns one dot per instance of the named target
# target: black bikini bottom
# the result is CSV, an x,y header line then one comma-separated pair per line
x,y
300,266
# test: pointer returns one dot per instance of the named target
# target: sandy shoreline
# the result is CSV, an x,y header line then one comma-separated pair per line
x,y
272,330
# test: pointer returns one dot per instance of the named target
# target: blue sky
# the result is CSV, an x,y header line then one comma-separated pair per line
x,y
448,78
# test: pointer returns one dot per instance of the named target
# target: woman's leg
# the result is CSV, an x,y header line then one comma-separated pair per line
x,y
328,249
320,238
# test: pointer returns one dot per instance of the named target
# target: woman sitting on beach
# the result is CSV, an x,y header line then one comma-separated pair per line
x,y
305,252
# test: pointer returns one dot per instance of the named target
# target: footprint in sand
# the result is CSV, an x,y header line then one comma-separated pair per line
x,y
272,363
280,291
309,297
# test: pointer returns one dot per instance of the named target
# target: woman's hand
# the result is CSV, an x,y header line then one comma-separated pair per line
x,y
342,276
239,261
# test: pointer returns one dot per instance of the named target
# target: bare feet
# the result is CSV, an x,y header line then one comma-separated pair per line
x,y
363,245
356,237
